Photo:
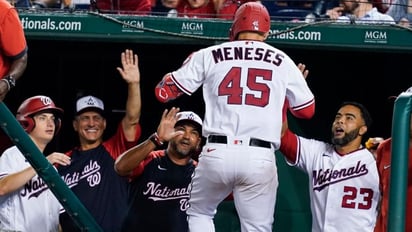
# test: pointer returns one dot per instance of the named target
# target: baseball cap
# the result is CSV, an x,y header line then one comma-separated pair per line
x,y
191,117
89,103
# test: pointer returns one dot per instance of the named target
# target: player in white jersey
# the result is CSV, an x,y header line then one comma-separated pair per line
x,y
26,203
245,82
343,176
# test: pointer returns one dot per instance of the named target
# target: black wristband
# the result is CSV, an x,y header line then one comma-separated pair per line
x,y
156,140
11,82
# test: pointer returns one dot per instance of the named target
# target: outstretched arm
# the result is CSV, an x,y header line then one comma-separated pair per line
x,y
15,181
129,160
289,141
167,90
131,74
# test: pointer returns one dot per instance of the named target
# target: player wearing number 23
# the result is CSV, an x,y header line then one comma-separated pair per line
x,y
343,176
245,83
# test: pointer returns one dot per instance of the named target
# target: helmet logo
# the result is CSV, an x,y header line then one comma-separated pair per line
x,y
255,25
46,100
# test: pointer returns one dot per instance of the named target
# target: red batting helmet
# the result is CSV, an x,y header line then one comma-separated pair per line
x,y
34,105
251,16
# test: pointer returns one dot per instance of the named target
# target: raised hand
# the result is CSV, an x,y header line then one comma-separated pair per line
x,y
302,68
166,129
130,68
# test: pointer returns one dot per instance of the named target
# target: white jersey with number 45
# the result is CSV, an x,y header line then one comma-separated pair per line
x,y
245,84
344,190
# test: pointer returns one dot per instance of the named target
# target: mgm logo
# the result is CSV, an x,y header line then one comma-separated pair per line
x,y
192,28
376,37
132,26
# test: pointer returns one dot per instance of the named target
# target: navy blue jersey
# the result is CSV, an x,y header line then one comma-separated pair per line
x,y
92,178
159,196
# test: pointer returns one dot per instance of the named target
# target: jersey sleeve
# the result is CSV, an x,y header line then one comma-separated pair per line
x,y
9,161
166,90
190,76
289,146
187,79
118,143
298,94
383,150
12,35
302,152
140,168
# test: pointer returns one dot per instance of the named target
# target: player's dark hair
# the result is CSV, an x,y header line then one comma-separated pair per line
x,y
364,112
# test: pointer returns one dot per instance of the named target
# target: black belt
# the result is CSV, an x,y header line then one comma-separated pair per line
x,y
252,142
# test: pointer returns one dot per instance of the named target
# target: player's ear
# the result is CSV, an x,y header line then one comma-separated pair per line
x,y
199,145
266,35
363,130
75,124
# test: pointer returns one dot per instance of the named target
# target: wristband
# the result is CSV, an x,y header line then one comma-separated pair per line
x,y
156,140
7,83
11,83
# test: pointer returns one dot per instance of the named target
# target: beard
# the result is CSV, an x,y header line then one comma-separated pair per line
x,y
349,137
182,153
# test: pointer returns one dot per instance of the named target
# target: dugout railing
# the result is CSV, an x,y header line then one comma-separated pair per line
x,y
399,162
95,26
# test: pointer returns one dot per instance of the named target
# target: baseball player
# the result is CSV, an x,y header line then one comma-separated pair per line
x,y
26,203
13,46
13,56
245,83
343,176
161,178
383,160
91,175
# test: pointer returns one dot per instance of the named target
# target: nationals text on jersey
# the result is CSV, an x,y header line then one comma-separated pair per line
x,y
247,53
164,193
159,193
34,188
322,179
90,171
